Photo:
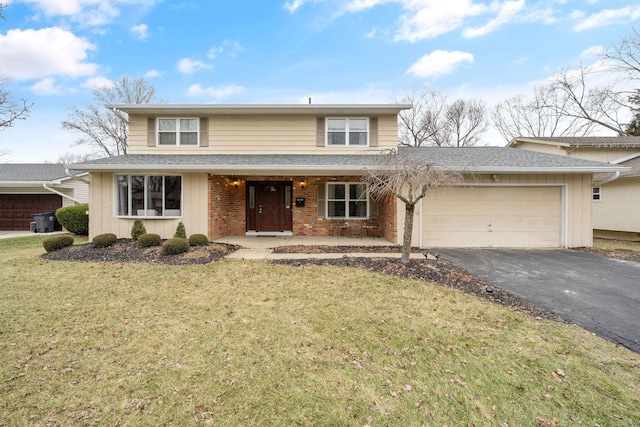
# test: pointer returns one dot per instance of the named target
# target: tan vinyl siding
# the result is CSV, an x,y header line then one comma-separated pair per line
x,y
602,154
103,220
562,209
614,195
260,135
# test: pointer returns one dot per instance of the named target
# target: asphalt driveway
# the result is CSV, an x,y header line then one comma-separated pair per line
x,y
600,294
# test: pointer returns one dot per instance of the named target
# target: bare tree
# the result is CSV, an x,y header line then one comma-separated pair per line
x,y
104,129
410,177
69,157
521,116
10,109
600,106
625,55
434,122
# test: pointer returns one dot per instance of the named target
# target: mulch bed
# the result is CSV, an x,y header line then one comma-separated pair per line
x,y
127,250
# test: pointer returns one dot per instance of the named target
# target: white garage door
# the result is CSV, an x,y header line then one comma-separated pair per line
x,y
517,217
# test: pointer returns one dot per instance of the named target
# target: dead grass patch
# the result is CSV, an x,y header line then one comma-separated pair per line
x,y
252,343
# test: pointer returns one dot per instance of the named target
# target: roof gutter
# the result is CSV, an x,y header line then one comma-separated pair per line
x,y
68,172
61,194
339,169
615,176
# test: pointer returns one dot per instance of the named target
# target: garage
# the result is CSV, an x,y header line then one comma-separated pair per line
x,y
494,217
16,210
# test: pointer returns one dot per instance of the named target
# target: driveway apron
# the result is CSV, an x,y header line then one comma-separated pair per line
x,y
599,294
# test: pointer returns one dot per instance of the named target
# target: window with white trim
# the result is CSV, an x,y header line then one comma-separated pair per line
x,y
347,200
149,195
597,194
178,131
342,132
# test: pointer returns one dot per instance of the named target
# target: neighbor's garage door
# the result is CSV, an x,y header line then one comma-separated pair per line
x,y
518,217
16,210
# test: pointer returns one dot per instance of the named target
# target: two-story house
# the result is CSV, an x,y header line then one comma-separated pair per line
x,y
297,170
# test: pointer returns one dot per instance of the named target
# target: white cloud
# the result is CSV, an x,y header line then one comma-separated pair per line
x,y
607,17
34,54
215,93
141,31
190,66
98,82
45,87
427,19
231,47
592,52
87,12
506,12
439,63
293,5
153,73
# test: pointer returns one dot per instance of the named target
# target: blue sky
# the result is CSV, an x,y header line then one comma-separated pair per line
x,y
285,51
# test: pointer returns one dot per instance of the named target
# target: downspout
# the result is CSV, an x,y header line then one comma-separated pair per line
x,y
61,194
68,172
615,176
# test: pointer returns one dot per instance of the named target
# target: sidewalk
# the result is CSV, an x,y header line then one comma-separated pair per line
x,y
254,247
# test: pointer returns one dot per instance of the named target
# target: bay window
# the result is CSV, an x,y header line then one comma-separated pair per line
x,y
347,131
179,131
149,195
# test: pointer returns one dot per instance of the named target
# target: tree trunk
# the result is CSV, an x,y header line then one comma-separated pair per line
x,y
408,231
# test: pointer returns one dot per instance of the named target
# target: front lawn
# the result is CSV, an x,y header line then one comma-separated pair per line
x,y
252,343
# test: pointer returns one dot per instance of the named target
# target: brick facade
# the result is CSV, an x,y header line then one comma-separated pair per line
x,y
227,206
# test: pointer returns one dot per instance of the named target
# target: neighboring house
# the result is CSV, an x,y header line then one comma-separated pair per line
x,y
32,188
296,170
616,196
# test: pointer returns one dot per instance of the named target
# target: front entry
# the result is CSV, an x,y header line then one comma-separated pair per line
x,y
269,207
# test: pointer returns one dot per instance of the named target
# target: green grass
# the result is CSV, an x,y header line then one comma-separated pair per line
x,y
250,343
616,244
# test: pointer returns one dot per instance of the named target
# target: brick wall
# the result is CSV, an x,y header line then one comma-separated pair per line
x,y
227,206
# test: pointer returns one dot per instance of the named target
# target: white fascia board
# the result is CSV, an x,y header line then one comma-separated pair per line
x,y
516,141
626,158
245,169
276,109
24,183
566,169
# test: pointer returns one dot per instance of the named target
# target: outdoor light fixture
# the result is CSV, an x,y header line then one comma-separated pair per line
x,y
303,183
235,181
495,177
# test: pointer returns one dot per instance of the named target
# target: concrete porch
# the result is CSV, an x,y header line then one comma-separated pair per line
x,y
269,242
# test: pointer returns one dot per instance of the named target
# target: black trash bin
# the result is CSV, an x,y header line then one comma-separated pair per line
x,y
45,222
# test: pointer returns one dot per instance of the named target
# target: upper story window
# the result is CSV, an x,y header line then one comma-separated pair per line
x,y
179,131
347,131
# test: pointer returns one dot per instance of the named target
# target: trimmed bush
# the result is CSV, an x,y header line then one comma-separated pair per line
x,y
149,239
198,240
138,229
54,243
104,240
180,231
74,219
175,246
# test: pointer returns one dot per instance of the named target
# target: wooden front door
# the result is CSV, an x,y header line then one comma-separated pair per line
x,y
269,206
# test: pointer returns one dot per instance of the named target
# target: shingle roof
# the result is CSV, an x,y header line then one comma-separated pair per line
x,y
634,164
478,159
31,172
588,141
